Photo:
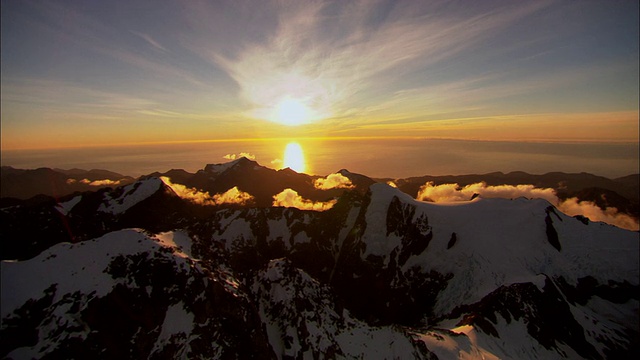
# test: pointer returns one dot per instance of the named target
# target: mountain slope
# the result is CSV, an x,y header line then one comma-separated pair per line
x,y
480,264
380,274
126,295
148,203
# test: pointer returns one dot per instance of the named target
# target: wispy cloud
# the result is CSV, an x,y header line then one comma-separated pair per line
x,y
290,198
150,40
69,95
69,25
329,61
277,163
333,181
609,126
572,206
351,68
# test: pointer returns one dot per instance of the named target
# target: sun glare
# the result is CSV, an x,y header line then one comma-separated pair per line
x,y
292,112
294,157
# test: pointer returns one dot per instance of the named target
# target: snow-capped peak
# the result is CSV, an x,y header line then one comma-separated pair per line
x,y
125,197
220,168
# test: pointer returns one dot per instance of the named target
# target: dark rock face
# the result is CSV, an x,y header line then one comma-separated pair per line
x,y
545,313
416,234
27,230
312,321
384,292
552,234
452,241
21,329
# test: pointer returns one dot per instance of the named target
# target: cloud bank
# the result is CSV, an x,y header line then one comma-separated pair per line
x,y
572,207
231,196
453,192
333,181
290,198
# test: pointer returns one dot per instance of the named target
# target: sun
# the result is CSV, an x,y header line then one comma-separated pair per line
x,y
294,157
292,112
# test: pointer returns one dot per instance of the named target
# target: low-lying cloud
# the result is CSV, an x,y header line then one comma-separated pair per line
x,y
572,206
453,192
231,196
290,198
333,181
240,155
104,182
610,215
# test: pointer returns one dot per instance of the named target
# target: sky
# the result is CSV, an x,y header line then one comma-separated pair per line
x,y
92,73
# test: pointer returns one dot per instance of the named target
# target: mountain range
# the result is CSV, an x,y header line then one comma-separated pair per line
x,y
288,265
19,184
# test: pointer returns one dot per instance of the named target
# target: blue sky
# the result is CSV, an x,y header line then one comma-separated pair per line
x,y
77,73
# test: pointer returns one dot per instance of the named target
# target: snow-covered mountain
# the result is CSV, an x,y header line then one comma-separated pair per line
x,y
126,295
378,275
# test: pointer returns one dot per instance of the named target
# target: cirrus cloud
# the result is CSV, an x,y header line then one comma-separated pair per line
x,y
328,63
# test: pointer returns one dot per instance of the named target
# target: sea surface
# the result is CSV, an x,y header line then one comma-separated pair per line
x,y
380,158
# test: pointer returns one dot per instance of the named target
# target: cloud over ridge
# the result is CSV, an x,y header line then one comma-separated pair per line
x,y
240,155
333,181
231,196
290,198
572,206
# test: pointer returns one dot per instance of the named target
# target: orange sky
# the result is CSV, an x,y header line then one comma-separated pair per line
x,y
81,74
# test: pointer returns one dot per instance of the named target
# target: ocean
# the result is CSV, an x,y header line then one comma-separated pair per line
x,y
380,158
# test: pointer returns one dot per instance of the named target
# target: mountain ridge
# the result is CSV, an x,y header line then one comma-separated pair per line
x,y
621,193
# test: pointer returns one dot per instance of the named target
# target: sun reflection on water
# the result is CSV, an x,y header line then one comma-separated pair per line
x,y
294,157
